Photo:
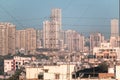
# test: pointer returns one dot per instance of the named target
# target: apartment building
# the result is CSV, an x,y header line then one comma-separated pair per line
x,y
106,51
50,72
26,40
7,38
15,63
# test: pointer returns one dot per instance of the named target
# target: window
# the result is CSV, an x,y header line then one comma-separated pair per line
x,y
57,76
40,76
16,62
19,63
46,70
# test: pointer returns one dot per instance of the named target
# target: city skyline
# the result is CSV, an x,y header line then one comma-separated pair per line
x,y
84,16
59,40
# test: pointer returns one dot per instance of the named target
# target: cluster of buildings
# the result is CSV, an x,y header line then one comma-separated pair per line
x,y
10,65
12,40
36,70
52,37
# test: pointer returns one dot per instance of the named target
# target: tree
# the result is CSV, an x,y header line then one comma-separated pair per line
x,y
103,67
1,65
16,75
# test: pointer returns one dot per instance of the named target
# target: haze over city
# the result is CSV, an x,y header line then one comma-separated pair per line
x,y
84,16
59,40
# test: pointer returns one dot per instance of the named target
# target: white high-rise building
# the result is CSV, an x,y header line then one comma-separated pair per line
x,y
114,28
56,16
26,40
7,38
46,35
114,39
95,40
74,41
39,34
52,30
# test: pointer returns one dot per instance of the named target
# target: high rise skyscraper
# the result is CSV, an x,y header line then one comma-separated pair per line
x,y
7,38
26,39
95,40
39,35
114,38
114,28
52,30
46,34
20,40
30,35
56,16
74,41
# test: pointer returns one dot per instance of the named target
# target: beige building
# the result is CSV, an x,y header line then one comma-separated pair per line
x,y
16,63
52,30
95,40
50,72
26,40
7,38
31,39
115,41
118,72
74,41
20,39
114,27
56,15
39,35
106,51
46,29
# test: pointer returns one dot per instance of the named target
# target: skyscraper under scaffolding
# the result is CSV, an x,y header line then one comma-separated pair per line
x,y
52,30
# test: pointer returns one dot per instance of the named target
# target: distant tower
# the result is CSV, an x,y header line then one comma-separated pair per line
x,y
114,39
95,40
52,30
46,34
26,39
56,16
74,41
7,38
20,40
30,36
114,28
39,37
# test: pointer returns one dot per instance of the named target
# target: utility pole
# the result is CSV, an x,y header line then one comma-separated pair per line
x,y
68,67
119,24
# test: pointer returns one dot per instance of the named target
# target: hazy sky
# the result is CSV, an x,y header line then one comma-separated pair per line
x,y
81,15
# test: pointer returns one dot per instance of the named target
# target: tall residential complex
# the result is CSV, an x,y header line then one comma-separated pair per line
x,y
115,41
56,16
95,40
7,38
46,35
74,41
26,39
20,40
114,28
52,30
106,51
114,38
39,36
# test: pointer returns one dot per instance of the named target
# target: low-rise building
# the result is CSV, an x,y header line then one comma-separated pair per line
x,y
15,63
117,70
106,51
50,72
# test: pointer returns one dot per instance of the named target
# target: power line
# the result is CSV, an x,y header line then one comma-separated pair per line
x,y
8,13
65,17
